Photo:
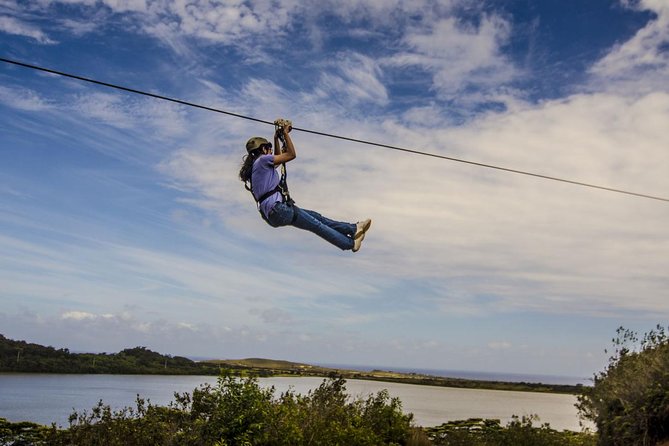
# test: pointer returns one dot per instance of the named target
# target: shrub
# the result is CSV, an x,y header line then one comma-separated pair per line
x,y
629,402
23,433
518,432
239,412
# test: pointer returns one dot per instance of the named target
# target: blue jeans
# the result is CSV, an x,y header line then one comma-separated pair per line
x,y
338,233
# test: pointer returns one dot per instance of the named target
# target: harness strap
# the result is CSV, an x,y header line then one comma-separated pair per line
x,y
283,181
285,198
268,194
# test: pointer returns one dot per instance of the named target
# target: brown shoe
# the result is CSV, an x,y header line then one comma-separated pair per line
x,y
357,242
361,227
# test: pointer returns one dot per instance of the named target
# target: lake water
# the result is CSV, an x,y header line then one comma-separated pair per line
x,y
51,398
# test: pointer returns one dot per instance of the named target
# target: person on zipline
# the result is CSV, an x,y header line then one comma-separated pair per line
x,y
258,172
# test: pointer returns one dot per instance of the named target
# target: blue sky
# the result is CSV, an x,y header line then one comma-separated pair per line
x,y
122,221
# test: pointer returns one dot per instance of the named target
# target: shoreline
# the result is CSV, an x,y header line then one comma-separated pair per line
x,y
23,357
264,367
325,373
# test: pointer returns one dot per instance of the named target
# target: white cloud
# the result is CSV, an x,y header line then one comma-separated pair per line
x,y
424,116
78,315
355,77
127,5
173,22
11,25
164,119
641,64
187,326
384,13
79,28
23,99
459,55
216,22
105,107
658,6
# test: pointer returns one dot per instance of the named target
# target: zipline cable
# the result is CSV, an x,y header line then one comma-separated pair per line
x,y
131,90
330,135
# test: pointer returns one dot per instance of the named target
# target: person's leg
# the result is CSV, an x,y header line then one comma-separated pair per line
x,y
347,229
308,221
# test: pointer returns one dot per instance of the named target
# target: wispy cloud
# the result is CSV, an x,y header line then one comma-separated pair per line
x,y
80,28
23,99
459,55
105,107
355,77
11,25
640,64
78,315
167,120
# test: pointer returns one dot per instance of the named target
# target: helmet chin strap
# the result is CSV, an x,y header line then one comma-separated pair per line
x,y
283,126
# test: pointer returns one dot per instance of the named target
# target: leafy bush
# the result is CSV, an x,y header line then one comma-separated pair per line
x,y
518,432
629,402
240,412
21,434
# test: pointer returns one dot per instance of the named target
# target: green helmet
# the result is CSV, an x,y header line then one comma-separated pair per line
x,y
255,143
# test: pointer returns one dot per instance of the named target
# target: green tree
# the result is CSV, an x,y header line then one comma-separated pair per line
x,y
629,401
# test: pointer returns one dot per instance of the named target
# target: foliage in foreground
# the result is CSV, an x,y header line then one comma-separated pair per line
x,y
23,433
629,402
518,432
239,412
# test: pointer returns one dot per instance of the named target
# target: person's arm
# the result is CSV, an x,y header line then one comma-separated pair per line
x,y
289,154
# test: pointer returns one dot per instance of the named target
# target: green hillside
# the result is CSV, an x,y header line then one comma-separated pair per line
x,y
21,356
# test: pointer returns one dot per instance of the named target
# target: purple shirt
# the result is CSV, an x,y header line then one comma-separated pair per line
x,y
264,178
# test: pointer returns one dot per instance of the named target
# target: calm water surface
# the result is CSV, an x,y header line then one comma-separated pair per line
x,y
51,398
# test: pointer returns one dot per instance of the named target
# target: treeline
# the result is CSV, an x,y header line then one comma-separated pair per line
x,y
21,356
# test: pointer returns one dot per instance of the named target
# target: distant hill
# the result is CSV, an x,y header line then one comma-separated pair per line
x,y
263,363
20,356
